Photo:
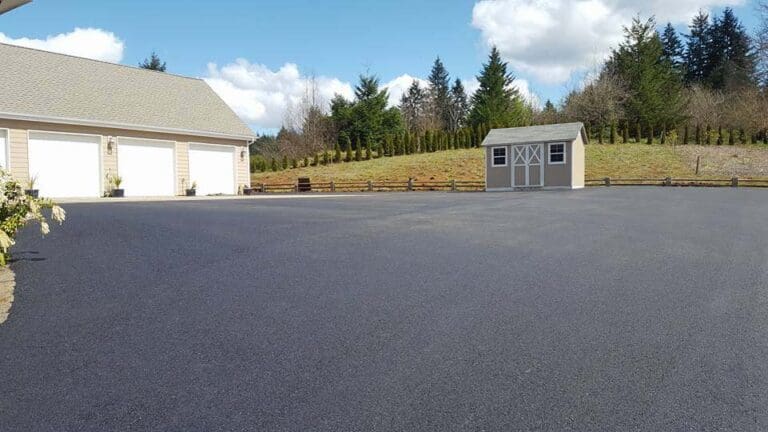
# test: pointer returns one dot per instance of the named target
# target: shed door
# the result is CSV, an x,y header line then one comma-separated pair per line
x,y
146,167
212,168
65,165
527,167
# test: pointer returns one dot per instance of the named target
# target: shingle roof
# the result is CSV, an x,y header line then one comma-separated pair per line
x,y
48,85
534,134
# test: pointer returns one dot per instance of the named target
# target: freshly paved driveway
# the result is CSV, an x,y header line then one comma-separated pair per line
x,y
604,309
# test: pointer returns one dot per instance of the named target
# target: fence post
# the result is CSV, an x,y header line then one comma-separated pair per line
x,y
668,181
453,185
263,188
410,185
370,186
333,186
698,161
734,182
607,181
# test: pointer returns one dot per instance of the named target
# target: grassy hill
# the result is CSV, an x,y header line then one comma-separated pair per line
x,y
616,161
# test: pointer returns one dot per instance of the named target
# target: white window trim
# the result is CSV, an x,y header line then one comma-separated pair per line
x,y
493,158
549,153
7,148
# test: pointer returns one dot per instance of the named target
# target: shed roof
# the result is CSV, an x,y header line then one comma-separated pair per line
x,y
45,86
535,134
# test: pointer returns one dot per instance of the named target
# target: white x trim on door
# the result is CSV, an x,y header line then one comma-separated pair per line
x,y
527,156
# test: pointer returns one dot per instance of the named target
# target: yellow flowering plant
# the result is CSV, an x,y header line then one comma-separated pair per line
x,y
17,209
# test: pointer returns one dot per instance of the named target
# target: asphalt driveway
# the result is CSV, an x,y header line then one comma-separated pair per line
x,y
603,309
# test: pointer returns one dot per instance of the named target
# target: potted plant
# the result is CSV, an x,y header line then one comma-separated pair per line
x,y
31,191
191,191
117,192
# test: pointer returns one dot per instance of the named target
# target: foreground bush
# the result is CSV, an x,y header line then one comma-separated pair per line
x,y
17,209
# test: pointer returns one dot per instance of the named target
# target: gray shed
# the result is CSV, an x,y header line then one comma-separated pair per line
x,y
547,156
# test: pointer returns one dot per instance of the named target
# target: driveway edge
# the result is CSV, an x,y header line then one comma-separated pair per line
x,y
7,284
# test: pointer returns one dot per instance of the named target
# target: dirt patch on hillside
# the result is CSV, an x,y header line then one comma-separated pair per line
x,y
7,284
728,161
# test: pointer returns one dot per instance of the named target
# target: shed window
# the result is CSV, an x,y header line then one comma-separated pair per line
x,y
557,153
499,156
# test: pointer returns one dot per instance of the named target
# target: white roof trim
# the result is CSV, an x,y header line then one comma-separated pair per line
x,y
113,125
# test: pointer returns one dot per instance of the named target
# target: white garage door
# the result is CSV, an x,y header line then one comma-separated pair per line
x,y
4,148
213,168
65,165
146,167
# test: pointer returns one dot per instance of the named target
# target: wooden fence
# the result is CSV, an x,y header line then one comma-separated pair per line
x,y
373,186
477,185
680,182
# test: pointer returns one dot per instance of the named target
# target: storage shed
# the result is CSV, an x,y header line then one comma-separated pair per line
x,y
547,156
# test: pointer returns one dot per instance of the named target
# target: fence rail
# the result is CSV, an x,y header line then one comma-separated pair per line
x,y
371,186
478,185
679,182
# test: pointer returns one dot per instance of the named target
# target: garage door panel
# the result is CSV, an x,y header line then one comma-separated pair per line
x,y
65,165
146,166
212,167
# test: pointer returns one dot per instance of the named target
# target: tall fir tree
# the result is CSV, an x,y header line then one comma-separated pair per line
x,y
497,102
696,56
439,95
413,106
459,106
654,85
731,57
673,49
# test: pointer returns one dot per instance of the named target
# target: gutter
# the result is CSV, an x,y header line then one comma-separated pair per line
x,y
126,126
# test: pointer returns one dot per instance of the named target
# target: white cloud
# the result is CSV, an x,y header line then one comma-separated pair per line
x,y
261,96
91,43
400,85
552,39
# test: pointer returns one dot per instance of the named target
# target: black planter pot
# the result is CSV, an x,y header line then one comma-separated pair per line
x,y
118,193
191,192
34,193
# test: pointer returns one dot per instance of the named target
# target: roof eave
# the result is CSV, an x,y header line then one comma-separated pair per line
x,y
126,126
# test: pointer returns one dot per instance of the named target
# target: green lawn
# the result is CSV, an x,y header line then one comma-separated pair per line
x,y
606,160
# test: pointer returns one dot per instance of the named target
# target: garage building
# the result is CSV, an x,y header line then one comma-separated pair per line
x,y
547,156
72,123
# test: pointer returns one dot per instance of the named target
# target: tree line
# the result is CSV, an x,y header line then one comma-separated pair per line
x,y
432,117
704,86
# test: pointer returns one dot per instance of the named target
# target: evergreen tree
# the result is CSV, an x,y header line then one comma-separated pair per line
x,y
368,153
413,106
496,101
654,86
347,149
459,106
672,46
731,58
337,153
285,162
358,150
439,95
274,164
153,63
698,42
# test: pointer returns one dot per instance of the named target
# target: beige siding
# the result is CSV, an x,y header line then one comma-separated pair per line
x,y
558,175
108,160
243,174
19,158
183,181
578,165
19,155
497,177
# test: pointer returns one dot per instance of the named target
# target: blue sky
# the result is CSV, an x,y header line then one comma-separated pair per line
x,y
550,44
